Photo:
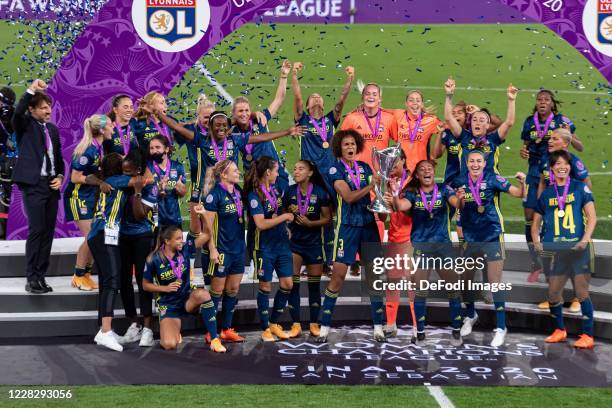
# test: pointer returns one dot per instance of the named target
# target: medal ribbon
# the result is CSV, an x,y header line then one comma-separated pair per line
x,y
541,133
236,198
163,133
321,130
561,199
378,117
270,195
219,156
177,268
475,188
125,141
354,176
303,205
413,132
249,147
158,169
429,206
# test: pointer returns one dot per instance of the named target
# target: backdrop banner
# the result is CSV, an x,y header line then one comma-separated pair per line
x,y
127,48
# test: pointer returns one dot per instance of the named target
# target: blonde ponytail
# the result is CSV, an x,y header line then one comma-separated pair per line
x,y
213,174
92,127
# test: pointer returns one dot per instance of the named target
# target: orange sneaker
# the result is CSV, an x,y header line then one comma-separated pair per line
x,y
557,337
216,346
92,283
81,283
267,336
544,305
296,330
277,330
315,329
207,338
584,342
575,306
231,336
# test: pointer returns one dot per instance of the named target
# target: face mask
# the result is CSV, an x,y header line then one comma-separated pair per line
x,y
158,157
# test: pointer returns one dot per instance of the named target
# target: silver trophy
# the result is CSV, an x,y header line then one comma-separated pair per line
x,y
383,162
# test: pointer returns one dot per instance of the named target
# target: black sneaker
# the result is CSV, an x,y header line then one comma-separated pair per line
x,y
43,284
420,337
35,288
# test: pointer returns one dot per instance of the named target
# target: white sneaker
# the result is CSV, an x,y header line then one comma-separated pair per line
x,y
146,339
390,330
323,333
468,323
499,338
119,338
132,334
379,334
108,340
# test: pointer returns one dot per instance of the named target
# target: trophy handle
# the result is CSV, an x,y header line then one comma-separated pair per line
x,y
373,158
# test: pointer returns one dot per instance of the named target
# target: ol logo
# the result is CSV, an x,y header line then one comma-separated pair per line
x,y
171,25
604,21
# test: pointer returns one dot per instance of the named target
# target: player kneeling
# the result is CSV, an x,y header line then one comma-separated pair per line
x,y
169,267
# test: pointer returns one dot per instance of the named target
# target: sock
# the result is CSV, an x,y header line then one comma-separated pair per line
x,y
470,309
78,271
391,309
294,300
420,306
280,301
329,303
228,302
587,316
556,312
262,308
500,314
314,297
216,298
208,314
454,307
377,308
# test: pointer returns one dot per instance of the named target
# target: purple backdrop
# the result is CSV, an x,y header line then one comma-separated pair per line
x,y
82,87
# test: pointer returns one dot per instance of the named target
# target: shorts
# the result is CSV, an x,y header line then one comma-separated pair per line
x,y
571,263
492,250
173,311
431,251
79,209
349,239
531,199
312,255
266,262
229,264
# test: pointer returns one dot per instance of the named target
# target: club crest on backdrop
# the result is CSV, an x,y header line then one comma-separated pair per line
x,y
171,25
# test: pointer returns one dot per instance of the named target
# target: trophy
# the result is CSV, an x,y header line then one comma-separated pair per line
x,y
383,162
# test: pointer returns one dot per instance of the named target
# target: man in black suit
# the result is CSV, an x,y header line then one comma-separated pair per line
x,y
39,173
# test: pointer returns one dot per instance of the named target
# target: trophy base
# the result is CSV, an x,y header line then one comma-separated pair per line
x,y
379,208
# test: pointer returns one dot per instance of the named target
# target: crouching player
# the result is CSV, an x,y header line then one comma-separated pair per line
x,y
167,273
561,211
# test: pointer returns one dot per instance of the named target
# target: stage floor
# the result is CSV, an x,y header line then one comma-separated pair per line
x,y
350,357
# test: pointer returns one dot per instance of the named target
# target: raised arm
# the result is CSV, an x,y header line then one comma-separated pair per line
x,y
19,116
298,109
177,127
439,148
453,125
576,143
266,137
350,75
504,128
203,236
518,192
281,91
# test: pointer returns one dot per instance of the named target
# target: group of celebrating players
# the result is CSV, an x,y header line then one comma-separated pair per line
x,y
125,186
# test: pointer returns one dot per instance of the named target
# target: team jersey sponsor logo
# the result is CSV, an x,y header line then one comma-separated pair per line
x,y
171,25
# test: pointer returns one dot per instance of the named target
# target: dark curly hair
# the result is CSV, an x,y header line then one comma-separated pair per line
x,y
340,136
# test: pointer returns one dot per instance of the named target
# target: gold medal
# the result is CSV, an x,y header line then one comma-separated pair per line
x,y
325,145
249,157
481,209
